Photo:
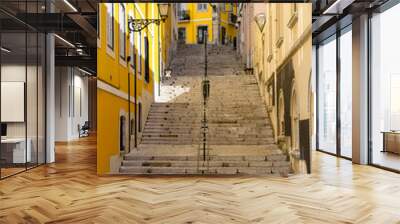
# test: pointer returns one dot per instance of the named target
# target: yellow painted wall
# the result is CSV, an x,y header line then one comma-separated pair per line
x,y
113,71
231,31
197,18
204,18
167,34
108,109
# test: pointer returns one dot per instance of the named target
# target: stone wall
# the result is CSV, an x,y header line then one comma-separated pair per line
x,y
281,58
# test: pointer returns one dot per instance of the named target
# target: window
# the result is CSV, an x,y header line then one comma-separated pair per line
x,y
122,131
139,54
132,50
132,127
110,25
279,13
202,34
385,89
181,6
327,95
346,93
182,34
140,117
146,60
122,31
335,94
223,7
202,6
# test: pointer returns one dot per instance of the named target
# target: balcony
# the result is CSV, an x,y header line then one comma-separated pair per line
x,y
232,19
183,15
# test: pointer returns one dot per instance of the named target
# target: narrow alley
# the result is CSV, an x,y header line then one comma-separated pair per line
x,y
239,138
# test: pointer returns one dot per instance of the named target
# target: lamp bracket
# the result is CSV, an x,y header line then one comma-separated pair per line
x,y
137,25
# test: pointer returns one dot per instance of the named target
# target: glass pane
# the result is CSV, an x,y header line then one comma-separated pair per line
x,y
346,94
31,97
327,96
13,87
41,99
385,86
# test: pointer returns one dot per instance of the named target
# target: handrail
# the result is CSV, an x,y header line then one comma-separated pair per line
x,y
204,122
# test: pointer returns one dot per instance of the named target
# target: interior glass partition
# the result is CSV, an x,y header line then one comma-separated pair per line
x,y
327,95
14,145
385,89
22,78
41,97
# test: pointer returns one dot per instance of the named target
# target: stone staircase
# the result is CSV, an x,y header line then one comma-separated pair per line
x,y
172,123
240,137
183,159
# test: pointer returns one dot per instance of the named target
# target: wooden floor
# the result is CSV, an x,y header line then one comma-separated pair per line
x,y
386,159
69,191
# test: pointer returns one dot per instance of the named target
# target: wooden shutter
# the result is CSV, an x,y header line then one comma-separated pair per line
x,y
146,60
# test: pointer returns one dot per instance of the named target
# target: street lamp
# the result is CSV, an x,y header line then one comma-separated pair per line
x,y
260,19
137,25
163,10
167,73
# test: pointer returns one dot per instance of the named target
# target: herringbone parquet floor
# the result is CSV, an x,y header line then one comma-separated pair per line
x,y
69,191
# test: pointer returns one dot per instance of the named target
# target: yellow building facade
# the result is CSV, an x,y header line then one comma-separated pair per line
x,y
218,19
123,101
280,56
228,17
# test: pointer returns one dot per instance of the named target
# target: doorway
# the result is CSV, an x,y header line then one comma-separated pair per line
x,y
223,35
201,34
122,126
182,35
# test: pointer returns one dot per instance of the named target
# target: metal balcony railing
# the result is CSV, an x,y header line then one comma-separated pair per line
x,y
183,15
232,18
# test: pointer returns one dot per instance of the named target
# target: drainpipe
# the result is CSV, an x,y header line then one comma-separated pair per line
x,y
128,59
135,90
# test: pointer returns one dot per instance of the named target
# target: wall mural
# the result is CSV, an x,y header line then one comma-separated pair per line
x,y
285,82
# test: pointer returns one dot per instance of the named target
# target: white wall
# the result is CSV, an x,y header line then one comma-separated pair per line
x,y
33,126
16,73
71,102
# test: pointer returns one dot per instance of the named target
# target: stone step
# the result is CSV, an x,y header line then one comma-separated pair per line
x,y
245,107
163,130
215,123
220,128
213,133
197,142
210,114
195,163
212,120
239,135
139,170
230,137
248,158
211,140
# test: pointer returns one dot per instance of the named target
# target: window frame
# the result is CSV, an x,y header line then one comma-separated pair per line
x,y
132,49
337,38
202,7
110,37
122,31
139,55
